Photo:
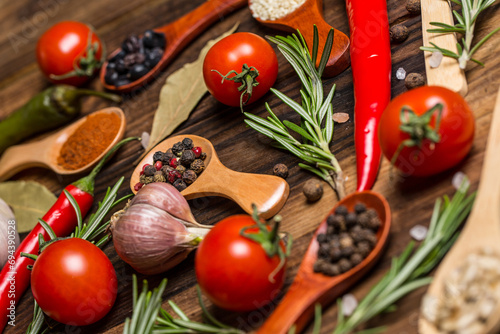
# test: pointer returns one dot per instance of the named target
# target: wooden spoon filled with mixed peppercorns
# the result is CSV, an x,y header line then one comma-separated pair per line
x,y
345,246
190,164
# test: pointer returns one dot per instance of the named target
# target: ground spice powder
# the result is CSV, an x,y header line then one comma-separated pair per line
x,y
89,140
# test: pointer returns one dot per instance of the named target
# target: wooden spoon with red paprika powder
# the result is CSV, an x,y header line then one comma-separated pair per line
x,y
72,150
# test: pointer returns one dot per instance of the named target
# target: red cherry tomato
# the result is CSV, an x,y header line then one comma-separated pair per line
x,y
65,47
233,271
230,54
74,282
456,131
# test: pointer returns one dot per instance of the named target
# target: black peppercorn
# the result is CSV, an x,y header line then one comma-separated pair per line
x,y
350,219
189,176
280,170
363,219
374,224
332,270
334,241
313,190
197,166
177,148
363,248
322,238
344,265
324,250
335,254
158,156
187,157
414,80
320,266
341,210
167,156
398,33
356,259
203,156
413,6
149,170
166,169
348,251
338,222
181,169
359,208
188,143
179,185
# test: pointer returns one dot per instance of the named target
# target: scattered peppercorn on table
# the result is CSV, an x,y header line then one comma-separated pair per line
x,y
239,147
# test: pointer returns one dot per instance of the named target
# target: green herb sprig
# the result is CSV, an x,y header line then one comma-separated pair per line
x,y
148,317
466,23
407,270
316,112
89,231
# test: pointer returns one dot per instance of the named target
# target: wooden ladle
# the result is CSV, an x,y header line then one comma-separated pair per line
x,y
268,192
178,34
44,153
309,288
304,18
482,229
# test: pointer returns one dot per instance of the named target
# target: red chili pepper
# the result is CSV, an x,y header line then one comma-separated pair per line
x,y
371,70
15,276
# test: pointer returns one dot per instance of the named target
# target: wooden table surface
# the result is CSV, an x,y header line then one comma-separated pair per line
x,y
239,147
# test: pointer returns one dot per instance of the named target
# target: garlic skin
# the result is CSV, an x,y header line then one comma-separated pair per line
x,y
6,215
153,233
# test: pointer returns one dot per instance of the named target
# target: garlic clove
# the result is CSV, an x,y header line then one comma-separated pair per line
x,y
151,240
164,196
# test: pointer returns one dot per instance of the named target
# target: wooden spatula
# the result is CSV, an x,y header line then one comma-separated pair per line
x,y
448,74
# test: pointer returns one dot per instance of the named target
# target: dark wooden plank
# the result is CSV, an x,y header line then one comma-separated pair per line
x,y
239,147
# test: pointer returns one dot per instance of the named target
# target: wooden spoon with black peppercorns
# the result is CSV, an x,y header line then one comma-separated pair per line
x,y
310,287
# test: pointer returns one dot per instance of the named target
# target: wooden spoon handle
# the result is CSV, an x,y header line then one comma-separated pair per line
x,y
193,23
268,192
20,157
448,74
296,308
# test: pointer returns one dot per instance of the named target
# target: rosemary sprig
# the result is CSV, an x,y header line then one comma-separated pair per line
x,y
316,112
148,317
88,231
466,23
407,270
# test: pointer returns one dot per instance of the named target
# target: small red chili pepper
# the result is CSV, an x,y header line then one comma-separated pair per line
x,y
371,69
61,217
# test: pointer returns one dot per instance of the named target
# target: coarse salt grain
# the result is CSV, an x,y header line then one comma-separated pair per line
x,y
349,304
435,59
418,232
458,179
401,73
273,9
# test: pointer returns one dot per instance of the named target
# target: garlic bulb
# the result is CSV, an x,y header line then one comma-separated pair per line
x,y
156,230
8,231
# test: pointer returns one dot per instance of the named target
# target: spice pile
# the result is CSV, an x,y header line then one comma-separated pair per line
x,y
180,166
89,140
472,292
349,238
136,58
273,9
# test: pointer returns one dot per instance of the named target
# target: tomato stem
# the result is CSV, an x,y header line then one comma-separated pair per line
x,y
248,79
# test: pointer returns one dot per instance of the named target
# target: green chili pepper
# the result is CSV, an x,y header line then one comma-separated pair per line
x,y
55,106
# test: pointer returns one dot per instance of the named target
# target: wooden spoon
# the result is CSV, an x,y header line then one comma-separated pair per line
x,y
44,153
482,229
268,192
178,34
448,74
309,288
303,19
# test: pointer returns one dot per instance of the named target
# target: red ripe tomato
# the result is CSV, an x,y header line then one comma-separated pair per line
x,y
74,282
454,135
233,271
230,54
64,49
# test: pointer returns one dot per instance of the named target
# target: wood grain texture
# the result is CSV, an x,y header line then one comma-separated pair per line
x,y
241,148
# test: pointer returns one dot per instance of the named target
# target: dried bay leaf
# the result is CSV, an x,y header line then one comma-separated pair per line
x,y
29,201
181,93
